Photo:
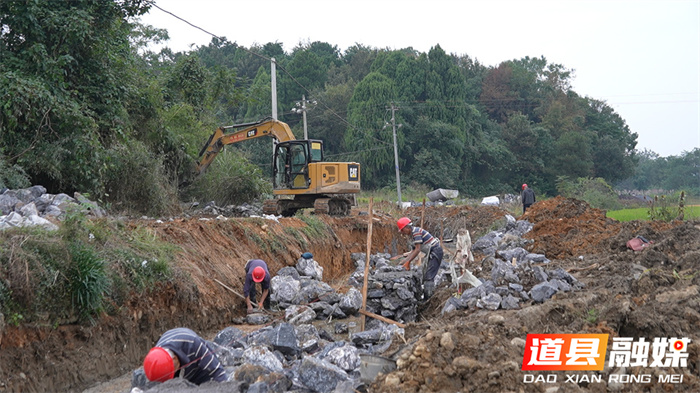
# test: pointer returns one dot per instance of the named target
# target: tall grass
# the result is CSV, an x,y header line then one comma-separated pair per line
x,y
87,280
74,274
642,213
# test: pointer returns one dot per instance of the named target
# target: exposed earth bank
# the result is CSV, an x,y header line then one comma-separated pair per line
x,y
650,293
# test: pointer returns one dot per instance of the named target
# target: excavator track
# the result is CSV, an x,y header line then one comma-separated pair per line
x,y
270,206
281,207
332,206
321,206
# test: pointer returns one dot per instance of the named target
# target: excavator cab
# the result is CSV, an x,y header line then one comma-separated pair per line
x,y
291,161
301,178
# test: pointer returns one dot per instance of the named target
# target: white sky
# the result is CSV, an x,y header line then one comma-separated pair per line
x,y
640,56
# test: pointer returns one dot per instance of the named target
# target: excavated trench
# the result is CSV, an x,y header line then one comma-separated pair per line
x,y
209,269
653,293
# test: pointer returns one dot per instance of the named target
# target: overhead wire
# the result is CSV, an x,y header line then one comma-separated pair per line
x,y
281,68
462,103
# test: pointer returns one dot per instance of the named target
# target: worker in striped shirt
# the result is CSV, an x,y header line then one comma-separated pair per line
x,y
181,352
430,245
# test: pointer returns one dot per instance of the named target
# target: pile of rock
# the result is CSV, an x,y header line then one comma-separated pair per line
x,y
303,295
293,354
392,292
515,274
34,207
211,208
286,357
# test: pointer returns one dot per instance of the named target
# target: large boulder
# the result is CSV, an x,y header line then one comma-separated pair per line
x,y
319,375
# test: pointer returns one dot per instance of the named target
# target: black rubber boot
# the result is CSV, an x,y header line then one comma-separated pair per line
x,y
428,288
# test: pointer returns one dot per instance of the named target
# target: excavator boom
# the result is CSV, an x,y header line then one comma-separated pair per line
x,y
300,177
222,137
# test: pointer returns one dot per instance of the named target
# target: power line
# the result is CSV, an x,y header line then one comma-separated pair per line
x,y
268,59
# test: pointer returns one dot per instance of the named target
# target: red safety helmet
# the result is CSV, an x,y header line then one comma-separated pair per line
x,y
258,274
524,186
402,222
159,365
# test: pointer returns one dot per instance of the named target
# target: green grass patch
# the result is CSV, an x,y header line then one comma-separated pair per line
x,y
642,213
315,228
76,273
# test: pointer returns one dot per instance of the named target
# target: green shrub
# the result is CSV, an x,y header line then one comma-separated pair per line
x,y
315,228
595,191
663,209
136,181
231,180
12,176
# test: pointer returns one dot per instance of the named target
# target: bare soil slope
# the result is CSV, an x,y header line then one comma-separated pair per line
x,y
652,293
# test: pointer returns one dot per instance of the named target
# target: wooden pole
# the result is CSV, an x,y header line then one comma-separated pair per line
x,y
442,229
422,214
381,318
369,248
230,289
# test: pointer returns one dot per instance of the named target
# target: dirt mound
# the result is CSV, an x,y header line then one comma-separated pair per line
x,y
650,293
565,227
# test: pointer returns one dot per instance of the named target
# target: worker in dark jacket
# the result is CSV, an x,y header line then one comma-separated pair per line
x,y
256,272
528,197
430,245
182,352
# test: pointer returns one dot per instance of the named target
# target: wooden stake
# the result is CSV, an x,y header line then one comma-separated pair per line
x,y
369,247
422,214
379,317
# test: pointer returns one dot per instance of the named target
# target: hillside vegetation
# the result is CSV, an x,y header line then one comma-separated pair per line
x,y
88,107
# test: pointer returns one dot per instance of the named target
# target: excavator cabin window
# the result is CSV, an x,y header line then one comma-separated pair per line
x,y
291,165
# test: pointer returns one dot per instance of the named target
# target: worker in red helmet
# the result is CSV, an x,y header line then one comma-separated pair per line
x,y
527,197
430,245
181,352
256,273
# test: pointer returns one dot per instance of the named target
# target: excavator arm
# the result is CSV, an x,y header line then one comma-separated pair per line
x,y
241,132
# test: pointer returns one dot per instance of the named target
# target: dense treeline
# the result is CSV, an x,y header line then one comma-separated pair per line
x,y
673,173
86,106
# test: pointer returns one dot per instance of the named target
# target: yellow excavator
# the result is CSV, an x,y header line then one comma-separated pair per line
x,y
300,177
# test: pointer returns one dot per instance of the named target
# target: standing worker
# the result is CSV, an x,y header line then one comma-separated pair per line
x,y
181,349
430,245
528,197
256,272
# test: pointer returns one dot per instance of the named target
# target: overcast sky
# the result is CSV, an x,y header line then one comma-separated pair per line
x,y
641,57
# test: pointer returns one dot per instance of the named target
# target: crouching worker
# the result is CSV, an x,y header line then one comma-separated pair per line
x,y
181,352
256,272
430,245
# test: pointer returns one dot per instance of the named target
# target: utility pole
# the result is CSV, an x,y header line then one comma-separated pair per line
x,y
396,151
273,86
302,108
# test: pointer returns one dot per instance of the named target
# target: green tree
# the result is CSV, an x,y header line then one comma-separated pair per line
x,y
437,160
367,137
325,121
65,81
307,70
187,82
573,155
683,172
357,61
531,147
